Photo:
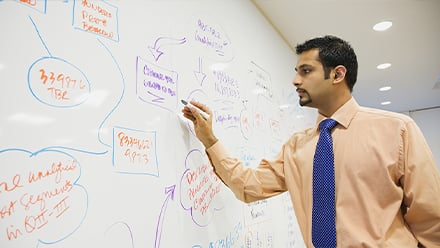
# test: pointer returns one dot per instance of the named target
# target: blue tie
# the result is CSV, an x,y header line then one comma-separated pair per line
x,y
323,212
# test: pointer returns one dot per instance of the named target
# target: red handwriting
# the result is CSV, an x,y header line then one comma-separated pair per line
x,y
30,2
32,222
191,176
96,7
61,207
95,18
36,222
204,186
275,126
15,183
64,81
14,233
8,210
56,169
28,200
192,192
128,141
33,198
59,83
259,120
97,30
134,156
136,149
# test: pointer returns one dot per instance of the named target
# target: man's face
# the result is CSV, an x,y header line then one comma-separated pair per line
x,y
309,81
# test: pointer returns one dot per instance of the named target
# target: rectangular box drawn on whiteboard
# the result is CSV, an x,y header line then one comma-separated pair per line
x,y
156,85
96,17
134,151
38,5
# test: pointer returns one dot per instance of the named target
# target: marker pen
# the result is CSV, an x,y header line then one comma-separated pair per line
x,y
204,115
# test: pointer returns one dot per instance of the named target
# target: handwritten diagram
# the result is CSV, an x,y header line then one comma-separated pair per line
x,y
41,199
135,151
199,188
57,83
96,17
95,151
156,85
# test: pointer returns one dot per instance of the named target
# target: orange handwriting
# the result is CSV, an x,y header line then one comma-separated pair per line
x,y
15,183
29,200
56,169
30,2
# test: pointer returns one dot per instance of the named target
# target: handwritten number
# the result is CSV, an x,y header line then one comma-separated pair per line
x,y
43,76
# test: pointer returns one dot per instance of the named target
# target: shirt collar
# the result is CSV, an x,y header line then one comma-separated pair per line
x,y
343,115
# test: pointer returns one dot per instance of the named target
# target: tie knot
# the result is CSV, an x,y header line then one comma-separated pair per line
x,y
327,124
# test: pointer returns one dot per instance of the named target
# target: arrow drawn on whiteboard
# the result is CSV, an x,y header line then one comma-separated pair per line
x,y
200,76
157,99
169,192
162,42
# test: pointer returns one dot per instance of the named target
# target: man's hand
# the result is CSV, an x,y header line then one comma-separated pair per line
x,y
202,127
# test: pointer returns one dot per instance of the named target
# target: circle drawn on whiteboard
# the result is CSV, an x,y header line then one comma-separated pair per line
x,y
58,83
210,38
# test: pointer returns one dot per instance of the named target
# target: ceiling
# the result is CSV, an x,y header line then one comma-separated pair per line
x,y
411,45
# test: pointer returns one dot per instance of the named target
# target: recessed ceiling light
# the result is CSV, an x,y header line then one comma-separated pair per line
x,y
382,26
385,88
383,66
385,103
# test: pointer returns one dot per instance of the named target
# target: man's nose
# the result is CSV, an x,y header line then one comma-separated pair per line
x,y
297,80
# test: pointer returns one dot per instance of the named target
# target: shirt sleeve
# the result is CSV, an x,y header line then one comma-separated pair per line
x,y
421,184
248,184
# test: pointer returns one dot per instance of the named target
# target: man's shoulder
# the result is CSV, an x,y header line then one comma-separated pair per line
x,y
303,135
375,114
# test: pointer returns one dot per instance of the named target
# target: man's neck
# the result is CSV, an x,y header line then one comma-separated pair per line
x,y
330,109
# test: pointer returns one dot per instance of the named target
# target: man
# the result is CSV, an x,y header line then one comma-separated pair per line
x,y
386,184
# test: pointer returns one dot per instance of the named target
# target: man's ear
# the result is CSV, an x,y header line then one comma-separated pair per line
x,y
339,71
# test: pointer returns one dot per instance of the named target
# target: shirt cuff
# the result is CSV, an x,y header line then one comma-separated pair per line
x,y
217,153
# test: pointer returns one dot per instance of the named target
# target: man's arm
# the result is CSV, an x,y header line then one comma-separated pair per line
x,y
247,184
421,184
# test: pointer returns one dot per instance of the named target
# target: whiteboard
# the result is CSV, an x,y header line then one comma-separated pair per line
x,y
94,149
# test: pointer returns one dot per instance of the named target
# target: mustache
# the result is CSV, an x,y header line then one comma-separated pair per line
x,y
301,90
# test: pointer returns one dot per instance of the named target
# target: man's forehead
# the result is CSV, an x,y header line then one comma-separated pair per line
x,y
308,58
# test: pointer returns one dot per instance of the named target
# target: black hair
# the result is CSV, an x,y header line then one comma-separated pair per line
x,y
333,51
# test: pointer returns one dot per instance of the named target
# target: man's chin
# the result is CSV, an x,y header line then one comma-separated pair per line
x,y
305,102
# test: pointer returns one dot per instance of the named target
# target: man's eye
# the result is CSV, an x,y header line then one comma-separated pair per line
x,y
305,71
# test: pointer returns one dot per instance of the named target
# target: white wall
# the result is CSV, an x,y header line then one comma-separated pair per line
x,y
429,122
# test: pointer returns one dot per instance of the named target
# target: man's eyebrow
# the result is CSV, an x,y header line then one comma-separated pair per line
x,y
301,66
